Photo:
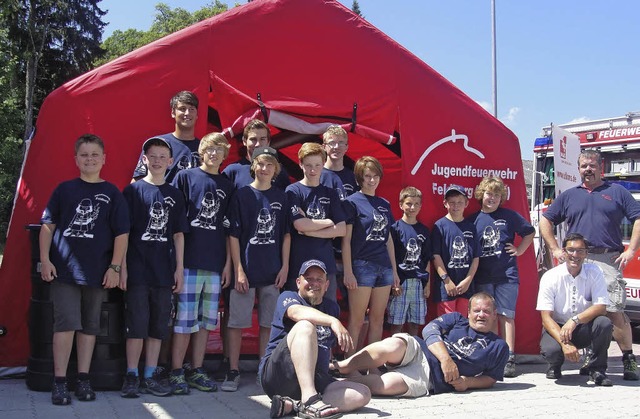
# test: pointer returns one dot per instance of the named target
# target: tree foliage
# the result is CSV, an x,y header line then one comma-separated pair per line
x,y
165,22
355,8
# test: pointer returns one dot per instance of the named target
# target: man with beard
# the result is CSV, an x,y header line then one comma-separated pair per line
x,y
572,301
455,354
595,209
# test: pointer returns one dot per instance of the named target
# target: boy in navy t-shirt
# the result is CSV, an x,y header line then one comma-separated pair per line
x,y
318,216
497,273
259,243
83,240
154,266
454,254
408,303
206,260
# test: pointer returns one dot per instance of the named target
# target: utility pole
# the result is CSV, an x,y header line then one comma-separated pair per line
x,y
493,56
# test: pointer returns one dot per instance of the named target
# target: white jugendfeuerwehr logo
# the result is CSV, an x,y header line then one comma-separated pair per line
x,y
451,138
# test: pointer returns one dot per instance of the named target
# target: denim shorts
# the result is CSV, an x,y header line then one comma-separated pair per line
x,y
369,274
505,295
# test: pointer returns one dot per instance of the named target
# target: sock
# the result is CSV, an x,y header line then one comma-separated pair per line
x,y
625,354
512,356
62,379
148,371
83,376
133,371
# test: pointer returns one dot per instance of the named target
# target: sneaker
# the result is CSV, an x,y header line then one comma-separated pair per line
x,y
200,380
223,369
188,368
162,375
554,373
630,368
600,379
510,368
154,386
231,381
585,368
130,386
60,394
178,383
84,392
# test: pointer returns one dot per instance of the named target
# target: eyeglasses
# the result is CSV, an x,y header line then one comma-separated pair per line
x,y
581,251
217,150
336,144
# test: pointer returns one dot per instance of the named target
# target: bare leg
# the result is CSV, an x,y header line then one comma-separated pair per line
x,y
346,395
62,344
134,349
198,347
387,384
152,352
391,351
179,349
508,329
377,306
84,347
414,329
234,336
358,303
303,345
395,328
264,340
621,330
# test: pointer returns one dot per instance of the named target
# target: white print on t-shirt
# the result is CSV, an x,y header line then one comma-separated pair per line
x,y
265,227
209,207
465,346
315,211
377,228
323,333
412,257
85,218
490,242
157,226
459,254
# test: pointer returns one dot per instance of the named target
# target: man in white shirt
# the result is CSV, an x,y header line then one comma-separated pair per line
x,y
572,301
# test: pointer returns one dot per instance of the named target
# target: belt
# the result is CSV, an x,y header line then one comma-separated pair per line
x,y
601,250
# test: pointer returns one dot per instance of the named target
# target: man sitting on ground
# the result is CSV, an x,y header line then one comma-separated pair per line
x,y
456,354
296,362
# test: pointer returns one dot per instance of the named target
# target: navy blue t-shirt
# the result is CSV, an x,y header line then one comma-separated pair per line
x,y
455,244
259,220
157,212
88,217
494,231
344,181
413,250
371,218
597,214
318,203
185,156
240,174
207,197
474,353
281,326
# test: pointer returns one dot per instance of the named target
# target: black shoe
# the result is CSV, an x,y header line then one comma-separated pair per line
x,y
630,368
585,368
130,386
510,368
60,394
154,386
600,379
222,371
84,392
554,373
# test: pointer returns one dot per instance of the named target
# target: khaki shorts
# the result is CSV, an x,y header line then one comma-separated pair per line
x,y
613,277
414,368
241,306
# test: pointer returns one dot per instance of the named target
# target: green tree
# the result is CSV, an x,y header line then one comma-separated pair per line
x,y
165,22
355,8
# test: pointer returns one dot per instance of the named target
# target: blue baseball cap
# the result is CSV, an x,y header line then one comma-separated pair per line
x,y
312,262
455,188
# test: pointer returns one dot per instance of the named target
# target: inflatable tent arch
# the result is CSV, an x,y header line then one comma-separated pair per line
x,y
311,62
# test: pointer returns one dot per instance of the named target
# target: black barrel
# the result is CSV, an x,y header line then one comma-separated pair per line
x,y
109,357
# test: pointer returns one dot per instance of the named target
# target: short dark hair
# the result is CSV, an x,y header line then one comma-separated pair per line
x,y
256,124
184,96
366,162
573,237
591,154
88,139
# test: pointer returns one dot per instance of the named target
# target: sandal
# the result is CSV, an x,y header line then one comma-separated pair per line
x,y
279,404
335,371
306,410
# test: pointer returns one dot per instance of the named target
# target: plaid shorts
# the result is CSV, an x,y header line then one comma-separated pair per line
x,y
198,302
410,306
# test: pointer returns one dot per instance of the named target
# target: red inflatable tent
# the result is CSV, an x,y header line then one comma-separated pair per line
x,y
300,65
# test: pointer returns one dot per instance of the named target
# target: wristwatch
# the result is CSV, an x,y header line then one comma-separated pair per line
x,y
444,276
576,319
115,268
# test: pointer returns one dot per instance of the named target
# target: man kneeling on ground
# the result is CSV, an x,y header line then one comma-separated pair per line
x,y
296,362
456,354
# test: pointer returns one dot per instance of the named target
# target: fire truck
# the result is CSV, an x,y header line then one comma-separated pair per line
x,y
618,140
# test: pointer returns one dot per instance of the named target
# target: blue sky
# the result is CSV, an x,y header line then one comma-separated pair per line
x,y
558,61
